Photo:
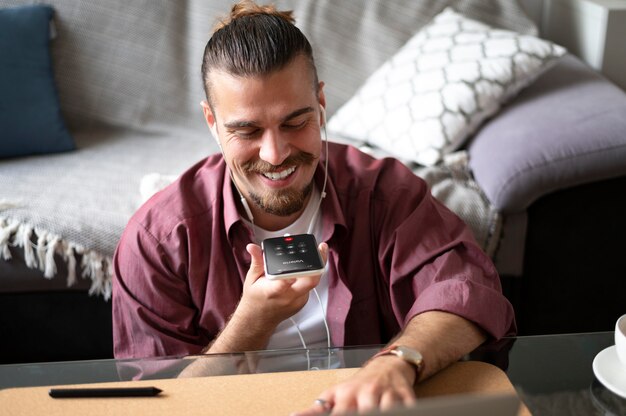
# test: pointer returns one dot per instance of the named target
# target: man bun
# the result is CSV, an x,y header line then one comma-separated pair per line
x,y
245,8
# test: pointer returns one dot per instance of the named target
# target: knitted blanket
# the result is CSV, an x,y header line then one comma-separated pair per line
x,y
73,207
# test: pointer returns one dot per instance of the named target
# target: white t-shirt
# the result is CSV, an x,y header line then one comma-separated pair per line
x,y
310,319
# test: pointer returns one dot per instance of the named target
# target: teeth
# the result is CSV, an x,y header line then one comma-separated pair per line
x,y
275,176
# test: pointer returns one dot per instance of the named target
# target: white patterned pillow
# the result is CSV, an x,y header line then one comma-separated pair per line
x,y
438,88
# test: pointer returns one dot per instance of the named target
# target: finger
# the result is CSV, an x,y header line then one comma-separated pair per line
x,y
408,397
305,284
405,395
314,410
368,400
390,400
321,406
323,248
256,263
344,403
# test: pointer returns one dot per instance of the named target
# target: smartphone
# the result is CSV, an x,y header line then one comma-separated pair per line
x,y
291,256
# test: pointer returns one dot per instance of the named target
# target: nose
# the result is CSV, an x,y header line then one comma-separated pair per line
x,y
274,149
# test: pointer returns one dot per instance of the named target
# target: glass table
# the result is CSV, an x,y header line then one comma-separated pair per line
x,y
552,373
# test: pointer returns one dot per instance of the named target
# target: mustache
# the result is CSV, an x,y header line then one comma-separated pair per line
x,y
261,166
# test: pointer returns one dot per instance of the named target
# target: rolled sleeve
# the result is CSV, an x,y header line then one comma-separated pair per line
x,y
436,265
471,293
152,313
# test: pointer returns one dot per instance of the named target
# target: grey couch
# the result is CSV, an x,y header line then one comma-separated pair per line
x,y
541,190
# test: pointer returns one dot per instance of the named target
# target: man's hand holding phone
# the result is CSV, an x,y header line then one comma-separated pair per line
x,y
264,304
271,301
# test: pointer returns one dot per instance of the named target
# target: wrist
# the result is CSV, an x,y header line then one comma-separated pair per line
x,y
255,318
407,358
243,332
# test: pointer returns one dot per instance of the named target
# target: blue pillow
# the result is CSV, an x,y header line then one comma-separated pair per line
x,y
30,116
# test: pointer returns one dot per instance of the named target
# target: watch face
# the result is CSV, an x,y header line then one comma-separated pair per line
x,y
409,354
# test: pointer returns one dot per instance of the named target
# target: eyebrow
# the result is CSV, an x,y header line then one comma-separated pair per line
x,y
245,123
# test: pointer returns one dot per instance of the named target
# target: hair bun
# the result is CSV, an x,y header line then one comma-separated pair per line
x,y
245,8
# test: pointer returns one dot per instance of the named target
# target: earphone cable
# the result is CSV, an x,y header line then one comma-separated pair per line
x,y
293,321
323,193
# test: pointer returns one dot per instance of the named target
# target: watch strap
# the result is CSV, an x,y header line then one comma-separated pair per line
x,y
397,350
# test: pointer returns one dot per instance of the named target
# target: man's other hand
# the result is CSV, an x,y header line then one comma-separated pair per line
x,y
384,383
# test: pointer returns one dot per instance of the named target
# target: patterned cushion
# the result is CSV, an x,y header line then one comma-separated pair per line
x,y
435,92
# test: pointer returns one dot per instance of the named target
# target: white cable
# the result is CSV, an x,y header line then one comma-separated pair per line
x,y
293,321
310,230
308,361
325,325
306,349
323,193
323,316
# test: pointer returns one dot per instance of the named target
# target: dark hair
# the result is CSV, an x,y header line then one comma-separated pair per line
x,y
255,40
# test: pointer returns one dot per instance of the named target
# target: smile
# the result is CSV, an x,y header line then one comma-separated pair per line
x,y
277,176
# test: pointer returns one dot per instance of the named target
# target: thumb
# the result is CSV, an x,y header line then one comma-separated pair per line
x,y
256,263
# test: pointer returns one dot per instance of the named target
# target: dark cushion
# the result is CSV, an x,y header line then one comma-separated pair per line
x,y
30,116
566,129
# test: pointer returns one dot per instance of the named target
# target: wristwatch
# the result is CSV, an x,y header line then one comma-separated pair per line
x,y
409,355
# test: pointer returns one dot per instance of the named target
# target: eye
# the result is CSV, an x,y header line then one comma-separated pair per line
x,y
246,133
295,125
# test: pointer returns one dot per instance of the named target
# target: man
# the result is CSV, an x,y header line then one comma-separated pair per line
x,y
400,267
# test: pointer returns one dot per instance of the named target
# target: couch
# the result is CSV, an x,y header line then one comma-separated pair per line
x,y
539,181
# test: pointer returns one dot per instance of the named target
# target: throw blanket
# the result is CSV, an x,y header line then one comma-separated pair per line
x,y
74,206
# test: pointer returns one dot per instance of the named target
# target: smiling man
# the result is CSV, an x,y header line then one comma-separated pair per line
x,y
401,268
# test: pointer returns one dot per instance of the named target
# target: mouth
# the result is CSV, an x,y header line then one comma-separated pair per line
x,y
279,176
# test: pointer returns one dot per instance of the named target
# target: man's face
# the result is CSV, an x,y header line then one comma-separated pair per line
x,y
269,129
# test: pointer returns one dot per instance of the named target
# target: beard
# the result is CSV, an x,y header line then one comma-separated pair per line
x,y
283,202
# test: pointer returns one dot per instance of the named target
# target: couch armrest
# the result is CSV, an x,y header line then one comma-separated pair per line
x,y
566,129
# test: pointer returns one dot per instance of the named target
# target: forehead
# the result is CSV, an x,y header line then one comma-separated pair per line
x,y
292,85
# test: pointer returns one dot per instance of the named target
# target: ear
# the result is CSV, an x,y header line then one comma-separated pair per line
x,y
321,99
210,121
208,114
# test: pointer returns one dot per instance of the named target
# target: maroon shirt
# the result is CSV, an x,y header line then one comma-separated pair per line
x,y
395,252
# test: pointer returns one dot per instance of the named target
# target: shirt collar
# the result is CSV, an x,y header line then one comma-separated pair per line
x,y
229,204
